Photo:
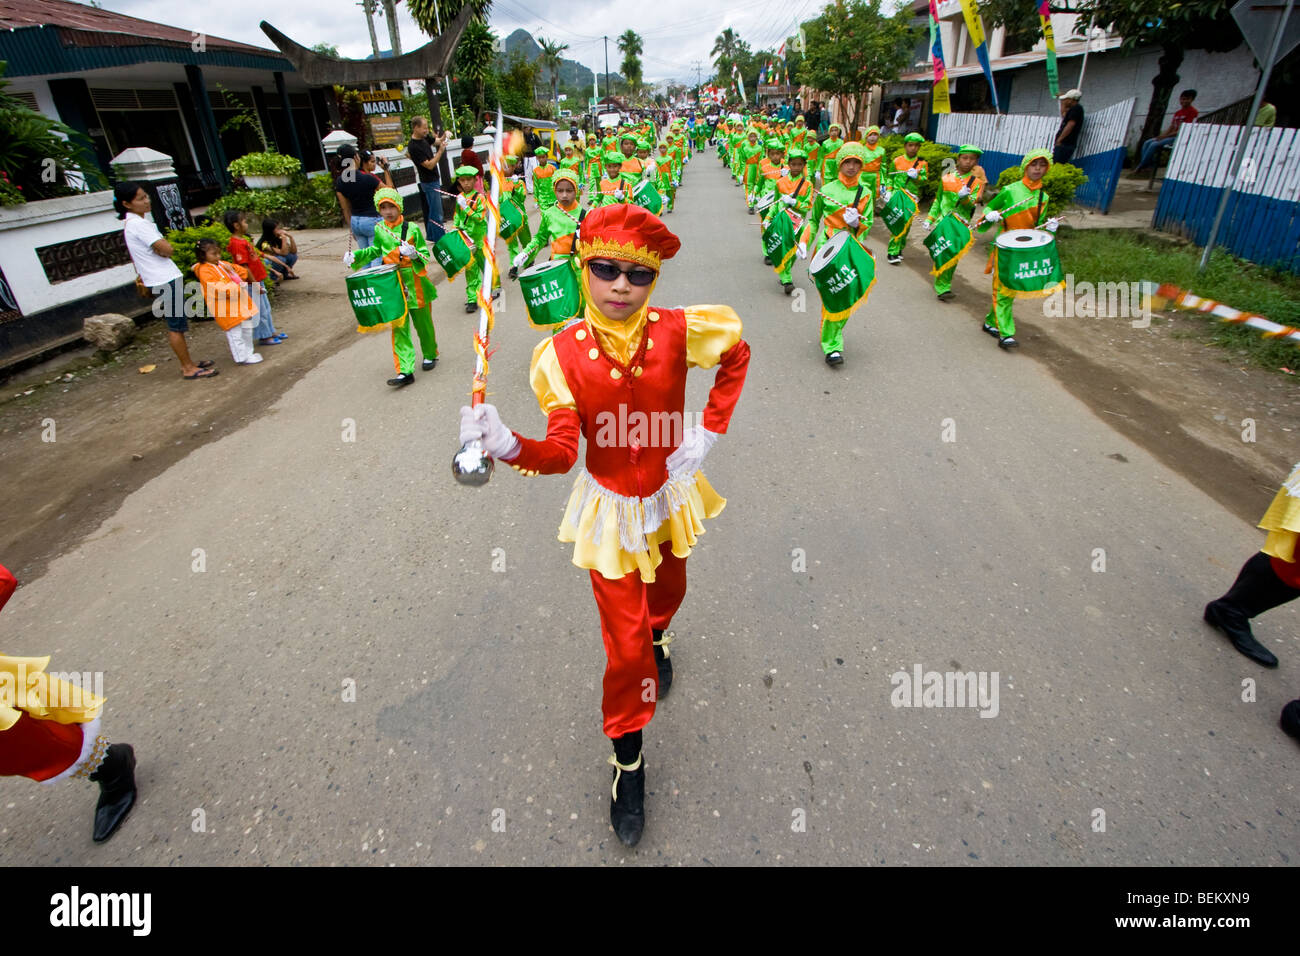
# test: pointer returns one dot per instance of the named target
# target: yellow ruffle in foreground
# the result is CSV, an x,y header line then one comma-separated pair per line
x,y
1282,520
692,502
26,688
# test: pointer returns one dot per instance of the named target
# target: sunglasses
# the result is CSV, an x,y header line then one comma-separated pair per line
x,y
608,272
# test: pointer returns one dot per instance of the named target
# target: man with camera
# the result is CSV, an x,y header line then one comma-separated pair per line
x,y
426,151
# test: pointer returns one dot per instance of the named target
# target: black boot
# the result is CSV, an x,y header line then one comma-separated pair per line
x,y
406,378
116,779
1290,719
1256,590
627,796
661,641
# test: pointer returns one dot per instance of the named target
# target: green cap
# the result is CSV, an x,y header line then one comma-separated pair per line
x,y
913,138
794,154
774,144
541,151
970,149
1034,154
466,171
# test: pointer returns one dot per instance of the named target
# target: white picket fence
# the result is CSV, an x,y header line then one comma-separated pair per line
x,y
1262,221
1006,138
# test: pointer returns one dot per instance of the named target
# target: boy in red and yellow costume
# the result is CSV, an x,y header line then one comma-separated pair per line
x,y
637,507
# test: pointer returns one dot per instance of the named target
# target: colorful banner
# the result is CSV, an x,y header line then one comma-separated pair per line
x,y
740,82
940,102
1045,18
975,27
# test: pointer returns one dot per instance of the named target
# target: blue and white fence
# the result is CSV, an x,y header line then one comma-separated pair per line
x,y
1006,138
1262,221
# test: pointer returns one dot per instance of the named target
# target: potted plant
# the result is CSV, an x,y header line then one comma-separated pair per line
x,y
265,170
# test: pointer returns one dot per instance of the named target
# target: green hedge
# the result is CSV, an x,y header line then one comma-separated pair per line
x,y
183,240
306,203
1061,181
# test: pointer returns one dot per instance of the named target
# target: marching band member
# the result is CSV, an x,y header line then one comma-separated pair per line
x,y
844,204
49,731
559,224
908,174
959,192
402,244
471,217
795,192
1018,205
637,507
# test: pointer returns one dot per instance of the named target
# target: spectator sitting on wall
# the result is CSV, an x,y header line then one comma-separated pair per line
x,y
1186,113
279,250
1067,137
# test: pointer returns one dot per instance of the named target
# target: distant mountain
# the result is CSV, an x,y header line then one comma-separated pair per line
x,y
572,73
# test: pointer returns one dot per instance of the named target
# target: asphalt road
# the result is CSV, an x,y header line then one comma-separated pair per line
x,y
475,736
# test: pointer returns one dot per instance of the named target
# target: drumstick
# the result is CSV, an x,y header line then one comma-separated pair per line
x,y
472,465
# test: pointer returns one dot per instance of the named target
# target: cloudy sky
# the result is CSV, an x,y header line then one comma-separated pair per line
x,y
679,32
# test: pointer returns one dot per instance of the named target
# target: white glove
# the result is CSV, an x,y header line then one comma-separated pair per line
x,y
851,218
785,171
801,250
963,192
483,423
927,225
519,260
677,182
1051,224
686,460
992,215
790,200
462,202
618,194
913,173
349,257
407,250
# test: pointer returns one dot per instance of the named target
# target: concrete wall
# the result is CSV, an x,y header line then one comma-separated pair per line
x,y
1218,78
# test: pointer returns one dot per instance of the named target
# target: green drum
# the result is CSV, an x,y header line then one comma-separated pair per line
x,y
551,293
454,252
844,273
377,298
512,217
646,195
948,241
898,212
1027,263
779,240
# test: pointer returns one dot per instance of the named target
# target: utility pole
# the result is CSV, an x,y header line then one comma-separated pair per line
x,y
607,69
697,82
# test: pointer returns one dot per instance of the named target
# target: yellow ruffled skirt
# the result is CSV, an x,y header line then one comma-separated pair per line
x,y
617,534
1282,520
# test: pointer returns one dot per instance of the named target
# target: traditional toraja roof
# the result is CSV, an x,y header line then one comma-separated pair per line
x,y
80,25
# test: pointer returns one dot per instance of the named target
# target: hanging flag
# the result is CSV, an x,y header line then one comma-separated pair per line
x,y
940,102
975,27
740,82
1045,18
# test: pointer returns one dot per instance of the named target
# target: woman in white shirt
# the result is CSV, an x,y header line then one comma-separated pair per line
x,y
151,254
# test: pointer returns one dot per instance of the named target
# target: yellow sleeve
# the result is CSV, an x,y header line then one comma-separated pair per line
x,y
710,331
547,379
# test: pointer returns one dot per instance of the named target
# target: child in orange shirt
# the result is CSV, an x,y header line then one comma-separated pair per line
x,y
227,299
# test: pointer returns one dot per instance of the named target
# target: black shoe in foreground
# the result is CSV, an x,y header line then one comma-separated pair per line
x,y
470,307
991,330
1290,720
1008,342
116,779
406,378
627,800
947,296
513,273
767,260
787,287
663,662
834,358
429,364
1236,627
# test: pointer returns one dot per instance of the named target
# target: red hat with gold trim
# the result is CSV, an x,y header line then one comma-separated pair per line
x,y
626,232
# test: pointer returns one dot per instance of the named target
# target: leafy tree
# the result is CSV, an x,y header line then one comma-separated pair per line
x,y
475,57
427,14
515,85
725,48
37,152
1174,27
325,49
852,47
551,59
631,46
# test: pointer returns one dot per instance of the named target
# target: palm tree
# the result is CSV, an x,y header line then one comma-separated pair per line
x,y
428,14
725,47
631,46
551,50
475,55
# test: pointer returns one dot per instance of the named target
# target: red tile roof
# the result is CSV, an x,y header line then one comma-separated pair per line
x,y
83,25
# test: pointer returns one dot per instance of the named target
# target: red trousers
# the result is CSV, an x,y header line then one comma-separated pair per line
x,y
629,609
39,749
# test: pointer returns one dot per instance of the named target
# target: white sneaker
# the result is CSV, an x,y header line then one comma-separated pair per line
x,y
253,361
